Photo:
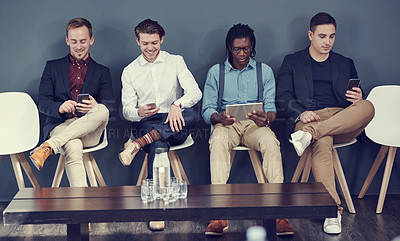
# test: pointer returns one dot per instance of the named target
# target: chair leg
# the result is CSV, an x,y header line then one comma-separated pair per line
x,y
96,170
377,163
174,164
0,158
143,172
17,171
259,171
386,178
28,170
89,170
300,167
342,181
59,172
183,173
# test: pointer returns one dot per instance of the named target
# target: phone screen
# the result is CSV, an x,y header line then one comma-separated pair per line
x,y
353,83
82,97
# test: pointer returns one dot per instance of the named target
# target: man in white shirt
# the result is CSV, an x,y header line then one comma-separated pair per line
x,y
152,99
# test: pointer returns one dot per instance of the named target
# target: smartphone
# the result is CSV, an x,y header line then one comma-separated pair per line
x,y
82,97
152,106
352,83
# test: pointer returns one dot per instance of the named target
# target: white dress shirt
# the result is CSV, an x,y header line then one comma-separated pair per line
x,y
160,82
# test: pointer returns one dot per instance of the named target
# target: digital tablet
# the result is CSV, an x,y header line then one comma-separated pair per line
x,y
240,111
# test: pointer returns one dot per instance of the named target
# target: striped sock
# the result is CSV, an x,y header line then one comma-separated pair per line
x,y
150,137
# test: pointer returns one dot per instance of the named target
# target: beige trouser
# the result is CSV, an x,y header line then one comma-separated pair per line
x,y
247,133
74,134
337,125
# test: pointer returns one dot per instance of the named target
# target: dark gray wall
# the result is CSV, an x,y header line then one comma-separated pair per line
x,y
33,32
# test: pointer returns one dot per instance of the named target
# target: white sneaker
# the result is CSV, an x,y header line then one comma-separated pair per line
x,y
333,225
300,140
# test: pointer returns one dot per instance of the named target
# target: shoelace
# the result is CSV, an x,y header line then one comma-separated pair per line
x,y
282,220
46,150
134,149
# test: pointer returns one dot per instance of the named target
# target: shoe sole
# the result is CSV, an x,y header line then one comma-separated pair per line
x,y
297,147
155,229
123,163
35,163
284,233
217,234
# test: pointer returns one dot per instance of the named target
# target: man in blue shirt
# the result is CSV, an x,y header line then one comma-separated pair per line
x,y
241,86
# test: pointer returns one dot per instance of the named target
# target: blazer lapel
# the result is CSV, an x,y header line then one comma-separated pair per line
x,y
65,75
89,75
335,70
306,66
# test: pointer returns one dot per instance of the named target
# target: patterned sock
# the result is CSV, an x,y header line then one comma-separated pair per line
x,y
150,137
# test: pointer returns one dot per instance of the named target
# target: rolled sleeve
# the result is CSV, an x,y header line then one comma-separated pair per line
x,y
210,97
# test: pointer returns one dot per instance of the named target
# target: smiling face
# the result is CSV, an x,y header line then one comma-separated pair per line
x,y
150,45
322,40
79,41
240,58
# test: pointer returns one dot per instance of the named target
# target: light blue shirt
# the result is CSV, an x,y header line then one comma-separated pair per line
x,y
240,88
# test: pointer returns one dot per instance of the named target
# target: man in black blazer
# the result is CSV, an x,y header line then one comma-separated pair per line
x,y
71,125
312,90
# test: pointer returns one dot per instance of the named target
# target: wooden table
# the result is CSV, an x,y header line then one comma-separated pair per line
x,y
78,206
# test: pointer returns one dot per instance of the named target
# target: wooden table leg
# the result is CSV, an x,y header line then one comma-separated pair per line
x,y
270,227
78,232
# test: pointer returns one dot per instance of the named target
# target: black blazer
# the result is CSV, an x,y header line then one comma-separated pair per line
x,y
295,86
54,89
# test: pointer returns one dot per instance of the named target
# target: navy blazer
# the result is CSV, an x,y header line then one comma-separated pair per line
x,y
54,89
295,85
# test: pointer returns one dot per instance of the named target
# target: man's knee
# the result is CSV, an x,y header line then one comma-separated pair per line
x,y
368,107
191,116
269,141
101,111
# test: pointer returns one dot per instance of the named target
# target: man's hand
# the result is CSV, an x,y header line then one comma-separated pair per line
x,y
222,118
147,110
261,118
86,105
175,118
309,116
354,95
67,107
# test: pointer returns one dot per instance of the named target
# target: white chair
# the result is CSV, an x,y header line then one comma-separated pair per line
x,y
255,160
304,166
384,129
176,164
20,129
92,170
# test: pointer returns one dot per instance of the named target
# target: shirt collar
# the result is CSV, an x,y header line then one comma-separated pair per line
x,y
72,60
252,64
160,58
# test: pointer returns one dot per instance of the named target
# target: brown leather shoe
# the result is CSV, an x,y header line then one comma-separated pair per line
x,y
131,148
156,225
283,227
217,227
40,154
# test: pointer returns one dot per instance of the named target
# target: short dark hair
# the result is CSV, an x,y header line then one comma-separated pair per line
x,y
77,23
150,27
320,19
240,31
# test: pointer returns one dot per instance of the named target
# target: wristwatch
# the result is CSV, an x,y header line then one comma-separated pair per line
x,y
177,103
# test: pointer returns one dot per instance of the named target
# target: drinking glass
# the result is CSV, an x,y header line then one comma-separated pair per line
x,y
146,190
182,189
